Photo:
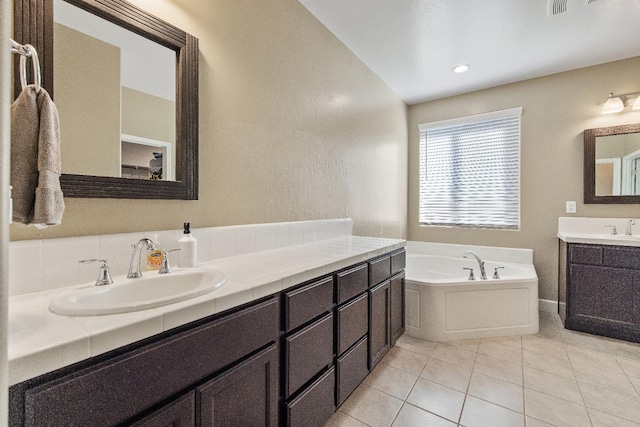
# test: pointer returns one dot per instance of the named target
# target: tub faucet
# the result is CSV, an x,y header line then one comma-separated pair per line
x,y
483,275
134,267
628,232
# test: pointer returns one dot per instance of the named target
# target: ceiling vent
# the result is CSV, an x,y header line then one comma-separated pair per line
x,y
557,7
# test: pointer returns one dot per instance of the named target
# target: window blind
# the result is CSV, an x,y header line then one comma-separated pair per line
x,y
470,171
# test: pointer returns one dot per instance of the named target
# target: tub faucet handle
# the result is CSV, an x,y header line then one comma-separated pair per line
x,y
471,276
495,273
614,230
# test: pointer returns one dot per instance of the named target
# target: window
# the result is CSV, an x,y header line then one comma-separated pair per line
x,y
470,171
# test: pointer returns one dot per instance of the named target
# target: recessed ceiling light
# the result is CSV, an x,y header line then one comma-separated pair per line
x,y
461,68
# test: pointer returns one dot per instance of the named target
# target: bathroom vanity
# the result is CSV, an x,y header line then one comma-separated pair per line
x,y
599,280
289,358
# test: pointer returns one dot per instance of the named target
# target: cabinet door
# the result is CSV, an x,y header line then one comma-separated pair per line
x,y
379,319
397,307
246,395
179,413
602,294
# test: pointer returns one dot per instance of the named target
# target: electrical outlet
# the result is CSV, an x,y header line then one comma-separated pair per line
x,y
571,207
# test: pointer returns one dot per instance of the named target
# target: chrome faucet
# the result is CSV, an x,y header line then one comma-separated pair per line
x,y
628,232
134,267
483,275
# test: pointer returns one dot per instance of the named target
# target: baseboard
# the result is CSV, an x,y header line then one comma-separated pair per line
x,y
548,306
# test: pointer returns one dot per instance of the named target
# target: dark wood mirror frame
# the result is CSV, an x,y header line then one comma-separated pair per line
x,y
590,164
33,23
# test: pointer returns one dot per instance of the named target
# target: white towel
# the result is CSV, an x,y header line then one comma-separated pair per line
x,y
35,159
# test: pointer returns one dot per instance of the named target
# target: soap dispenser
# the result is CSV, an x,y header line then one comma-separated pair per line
x,y
188,257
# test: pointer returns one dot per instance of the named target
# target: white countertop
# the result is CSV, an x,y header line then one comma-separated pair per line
x,y
40,341
600,239
598,231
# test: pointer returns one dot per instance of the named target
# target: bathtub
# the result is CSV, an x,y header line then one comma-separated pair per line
x,y
443,305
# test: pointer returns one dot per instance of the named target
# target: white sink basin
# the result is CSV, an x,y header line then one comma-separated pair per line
x,y
126,295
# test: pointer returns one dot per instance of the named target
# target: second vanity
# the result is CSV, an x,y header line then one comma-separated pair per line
x,y
290,357
599,277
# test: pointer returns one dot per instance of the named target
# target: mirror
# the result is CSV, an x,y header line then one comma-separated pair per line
x,y
611,162
140,140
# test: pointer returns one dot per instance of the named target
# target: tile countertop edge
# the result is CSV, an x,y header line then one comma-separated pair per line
x,y
323,257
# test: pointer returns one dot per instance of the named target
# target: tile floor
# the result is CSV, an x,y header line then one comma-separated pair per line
x,y
555,378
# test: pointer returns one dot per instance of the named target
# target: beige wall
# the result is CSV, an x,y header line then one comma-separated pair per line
x,y
292,127
87,94
556,110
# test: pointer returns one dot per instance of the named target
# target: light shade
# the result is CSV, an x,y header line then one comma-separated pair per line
x,y
461,68
636,105
613,105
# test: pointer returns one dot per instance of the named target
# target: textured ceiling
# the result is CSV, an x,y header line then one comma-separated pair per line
x,y
413,44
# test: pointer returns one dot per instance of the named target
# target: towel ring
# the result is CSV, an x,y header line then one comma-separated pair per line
x,y
36,68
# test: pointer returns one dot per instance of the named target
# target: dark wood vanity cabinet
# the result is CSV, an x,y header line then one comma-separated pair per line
x,y
287,360
603,290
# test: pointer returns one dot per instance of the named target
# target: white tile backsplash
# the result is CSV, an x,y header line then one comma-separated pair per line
x,y
39,265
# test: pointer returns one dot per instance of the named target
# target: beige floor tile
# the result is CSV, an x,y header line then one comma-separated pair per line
x,y
405,360
602,378
437,399
581,356
391,380
371,406
544,346
471,345
452,376
532,422
497,391
340,419
547,363
497,368
636,383
600,419
454,355
478,413
501,351
515,341
630,367
610,402
564,388
555,411
416,345
412,416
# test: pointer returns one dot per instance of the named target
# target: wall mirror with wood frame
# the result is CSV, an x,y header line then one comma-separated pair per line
x,y
612,164
126,86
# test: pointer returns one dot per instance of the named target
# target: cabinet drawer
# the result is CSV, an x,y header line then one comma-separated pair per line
x,y
210,347
308,302
398,262
352,369
315,405
379,270
353,320
585,254
352,282
619,256
307,352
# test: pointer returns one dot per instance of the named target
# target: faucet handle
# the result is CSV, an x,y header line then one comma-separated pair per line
x,y
614,230
495,273
471,276
104,277
165,268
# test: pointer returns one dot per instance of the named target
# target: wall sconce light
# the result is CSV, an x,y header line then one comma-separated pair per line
x,y
617,103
